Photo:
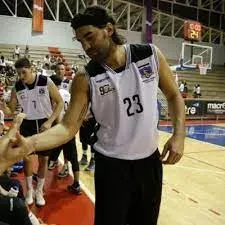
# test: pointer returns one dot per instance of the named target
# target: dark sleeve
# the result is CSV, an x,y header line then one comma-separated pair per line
x,y
20,194
2,223
19,86
140,51
7,183
20,213
93,69
13,211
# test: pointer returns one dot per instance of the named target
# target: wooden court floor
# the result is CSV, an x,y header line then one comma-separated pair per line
x,y
193,189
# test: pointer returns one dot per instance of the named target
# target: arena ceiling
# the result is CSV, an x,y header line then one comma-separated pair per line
x,y
167,19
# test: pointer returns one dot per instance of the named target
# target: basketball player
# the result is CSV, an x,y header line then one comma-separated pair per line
x,y
87,137
61,72
69,149
34,93
121,81
65,85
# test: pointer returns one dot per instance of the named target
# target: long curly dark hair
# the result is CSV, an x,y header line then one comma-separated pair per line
x,y
97,16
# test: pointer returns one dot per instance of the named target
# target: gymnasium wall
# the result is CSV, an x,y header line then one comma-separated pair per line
x,y
59,34
18,31
171,47
56,34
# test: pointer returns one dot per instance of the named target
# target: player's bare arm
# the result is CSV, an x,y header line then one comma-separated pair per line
x,y
58,102
70,124
175,145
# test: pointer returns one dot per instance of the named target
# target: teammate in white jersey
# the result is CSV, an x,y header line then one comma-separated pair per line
x,y
34,94
121,81
61,72
69,149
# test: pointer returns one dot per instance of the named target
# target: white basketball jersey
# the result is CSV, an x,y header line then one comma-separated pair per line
x,y
66,99
2,118
66,84
124,103
35,103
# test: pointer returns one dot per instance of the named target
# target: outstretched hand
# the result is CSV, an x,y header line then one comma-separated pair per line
x,y
13,146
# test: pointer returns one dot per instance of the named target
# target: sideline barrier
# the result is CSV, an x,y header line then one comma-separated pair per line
x,y
204,108
197,109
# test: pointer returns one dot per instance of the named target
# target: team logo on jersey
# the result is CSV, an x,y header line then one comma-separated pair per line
x,y
41,91
146,73
105,89
65,86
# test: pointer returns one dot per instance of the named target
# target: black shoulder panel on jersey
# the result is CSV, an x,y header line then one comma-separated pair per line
x,y
140,51
66,81
93,68
42,80
19,86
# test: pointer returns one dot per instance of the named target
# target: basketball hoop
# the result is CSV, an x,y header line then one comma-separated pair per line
x,y
194,55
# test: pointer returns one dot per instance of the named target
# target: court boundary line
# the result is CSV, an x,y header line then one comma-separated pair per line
x,y
196,124
211,151
210,134
83,186
203,162
87,192
197,169
205,133
186,137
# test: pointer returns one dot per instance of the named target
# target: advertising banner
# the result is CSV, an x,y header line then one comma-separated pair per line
x,y
214,107
194,108
38,16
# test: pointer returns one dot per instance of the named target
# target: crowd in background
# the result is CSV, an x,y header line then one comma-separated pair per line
x,y
10,188
183,87
45,66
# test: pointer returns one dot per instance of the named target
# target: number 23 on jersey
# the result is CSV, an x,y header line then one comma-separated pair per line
x,y
133,104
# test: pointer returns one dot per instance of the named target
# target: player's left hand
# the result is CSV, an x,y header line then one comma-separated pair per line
x,y
175,147
45,126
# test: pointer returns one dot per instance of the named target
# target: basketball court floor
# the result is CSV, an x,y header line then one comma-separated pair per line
x,y
193,189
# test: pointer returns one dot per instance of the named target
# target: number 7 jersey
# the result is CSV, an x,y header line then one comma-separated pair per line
x,y
124,103
35,101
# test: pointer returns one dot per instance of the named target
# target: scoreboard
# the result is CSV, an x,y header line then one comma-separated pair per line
x,y
192,30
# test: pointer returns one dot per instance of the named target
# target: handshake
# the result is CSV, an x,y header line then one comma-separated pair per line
x,y
13,146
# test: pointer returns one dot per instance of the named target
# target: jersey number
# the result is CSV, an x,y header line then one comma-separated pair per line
x,y
66,104
35,104
130,102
